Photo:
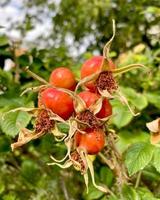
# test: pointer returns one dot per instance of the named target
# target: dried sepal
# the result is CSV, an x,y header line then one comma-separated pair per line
x,y
96,107
59,136
24,137
85,175
72,129
106,49
67,164
154,127
55,117
32,111
105,93
155,138
69,144
79,104
34,89
92,77
124,100
68,141
91,169
105,119
127,68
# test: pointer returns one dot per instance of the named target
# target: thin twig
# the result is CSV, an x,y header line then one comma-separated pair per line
x,y
106,160
66,195
138,179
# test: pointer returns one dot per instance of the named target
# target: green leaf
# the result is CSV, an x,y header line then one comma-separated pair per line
x,y
11,123
154,98
3,40
113,198
106,176
93,193
4,144
127,138
129,193
138,156
121,114
30,171
156,159
146,194
2,187
63,127
137,99
10,196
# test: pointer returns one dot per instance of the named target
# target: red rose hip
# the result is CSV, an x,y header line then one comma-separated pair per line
x,y
63,77
59,102
92,142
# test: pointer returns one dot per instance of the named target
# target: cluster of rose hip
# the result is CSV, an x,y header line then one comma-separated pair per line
x,y
83,105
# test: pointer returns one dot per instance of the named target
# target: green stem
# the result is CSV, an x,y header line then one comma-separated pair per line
x,y
105,160
138,179
35,76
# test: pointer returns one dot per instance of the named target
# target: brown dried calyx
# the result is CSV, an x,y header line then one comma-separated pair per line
x,y
43,125
43,122
87,118
78,162
106,81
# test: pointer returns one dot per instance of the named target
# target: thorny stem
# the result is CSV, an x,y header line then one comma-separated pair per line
x,y
138,179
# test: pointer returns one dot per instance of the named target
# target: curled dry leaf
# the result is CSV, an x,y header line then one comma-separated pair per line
x,y
24,137
44,123
154,127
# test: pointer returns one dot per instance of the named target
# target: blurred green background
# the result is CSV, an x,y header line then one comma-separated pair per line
x,y
45,34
